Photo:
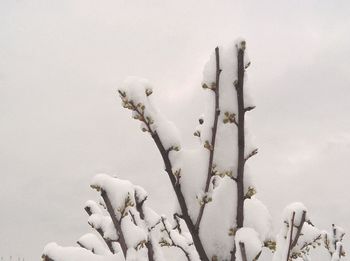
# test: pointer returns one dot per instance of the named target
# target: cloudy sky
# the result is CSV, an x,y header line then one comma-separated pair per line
x,y
61,121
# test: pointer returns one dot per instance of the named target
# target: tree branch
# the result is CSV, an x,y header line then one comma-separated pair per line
x,y
291,226
177,220
172,241
238,84
115,221
251,154
241,135
139,208
213,136
176,185
299,228
101,232
233,252
243,252
249,108
83,246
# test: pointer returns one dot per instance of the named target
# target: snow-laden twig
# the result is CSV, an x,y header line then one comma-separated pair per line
x,y
213,135
109,243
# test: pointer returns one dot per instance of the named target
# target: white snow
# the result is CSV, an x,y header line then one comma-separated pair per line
x,y
58,253
94,244
252,244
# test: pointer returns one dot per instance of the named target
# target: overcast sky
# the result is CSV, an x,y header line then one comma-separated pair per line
x,y
61,122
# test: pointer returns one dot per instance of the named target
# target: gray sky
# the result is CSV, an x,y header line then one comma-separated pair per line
x,y
61,121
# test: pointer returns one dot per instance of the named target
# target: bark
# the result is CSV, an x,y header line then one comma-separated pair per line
x,y
115,221
241,138
177,188
139,208
213,137
239,85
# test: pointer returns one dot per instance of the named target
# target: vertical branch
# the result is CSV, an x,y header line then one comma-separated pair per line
x,y
213,135
115,221
243,252
293,241
241,139
241,135
291,226
299,228
233,252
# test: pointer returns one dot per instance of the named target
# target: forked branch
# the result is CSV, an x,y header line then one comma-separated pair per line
x,y
140,115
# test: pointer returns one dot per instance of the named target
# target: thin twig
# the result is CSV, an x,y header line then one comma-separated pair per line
x,y
251,154
213,135
172,241
291,226
100,231
115,221
299,229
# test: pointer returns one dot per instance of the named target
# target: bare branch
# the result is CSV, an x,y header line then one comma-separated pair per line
x,y
249,108
213,135
251,154
291,227
115,221
239,84
241,134
299,229
172,241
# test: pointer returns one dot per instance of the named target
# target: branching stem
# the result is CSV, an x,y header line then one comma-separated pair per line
x,y
172,241
176,186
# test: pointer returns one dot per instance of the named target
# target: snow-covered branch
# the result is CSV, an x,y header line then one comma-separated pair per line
x,y
220,217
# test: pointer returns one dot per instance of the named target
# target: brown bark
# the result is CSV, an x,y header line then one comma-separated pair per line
x,y
213,137
239,85
115,221
174,182
241,138
177,188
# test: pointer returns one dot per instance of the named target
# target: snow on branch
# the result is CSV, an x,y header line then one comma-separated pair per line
x,y
135,97
54,252
332,241
298,235
219,217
